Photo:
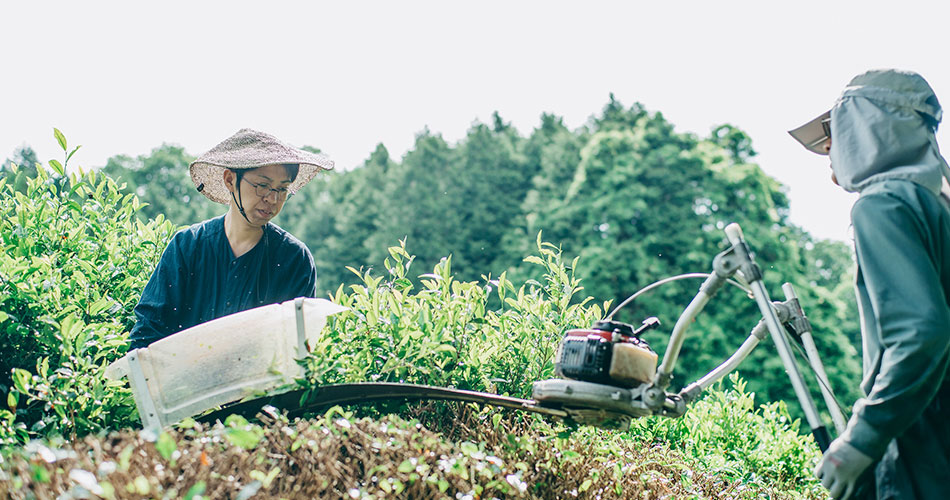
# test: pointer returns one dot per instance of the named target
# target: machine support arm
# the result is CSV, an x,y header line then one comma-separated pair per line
x,y
761,295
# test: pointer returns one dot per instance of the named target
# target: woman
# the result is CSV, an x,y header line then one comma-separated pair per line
x,y
240,260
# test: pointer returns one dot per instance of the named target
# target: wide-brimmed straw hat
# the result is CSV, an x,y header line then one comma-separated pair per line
x,y
249,149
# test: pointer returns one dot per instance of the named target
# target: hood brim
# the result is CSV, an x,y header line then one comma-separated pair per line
x,y
812,134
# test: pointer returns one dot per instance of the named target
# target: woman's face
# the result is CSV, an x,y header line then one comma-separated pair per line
x,y
828,150
263,192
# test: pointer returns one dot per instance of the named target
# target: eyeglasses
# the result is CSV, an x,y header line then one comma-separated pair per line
x,y
264,190
826,127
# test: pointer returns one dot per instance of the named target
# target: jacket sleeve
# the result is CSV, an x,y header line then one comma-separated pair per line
x,y
162,295
909,310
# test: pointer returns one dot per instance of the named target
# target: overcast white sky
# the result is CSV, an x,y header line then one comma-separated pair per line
x,y
121,78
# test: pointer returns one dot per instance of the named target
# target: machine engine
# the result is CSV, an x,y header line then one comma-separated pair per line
x,y
610,352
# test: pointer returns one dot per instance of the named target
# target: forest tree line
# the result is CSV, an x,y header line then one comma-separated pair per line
x,y
629,196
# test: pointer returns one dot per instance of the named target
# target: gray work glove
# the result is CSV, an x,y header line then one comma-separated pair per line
x,y
840,468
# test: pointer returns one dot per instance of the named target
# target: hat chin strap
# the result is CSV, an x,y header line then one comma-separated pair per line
x,y
237,187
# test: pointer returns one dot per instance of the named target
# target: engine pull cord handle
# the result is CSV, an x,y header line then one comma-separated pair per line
x,y
761,295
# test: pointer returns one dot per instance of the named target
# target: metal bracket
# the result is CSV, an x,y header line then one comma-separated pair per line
x,y
301,330
797,320
143,398
738,257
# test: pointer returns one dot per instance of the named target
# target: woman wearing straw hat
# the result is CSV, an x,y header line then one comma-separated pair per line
x,y
239,260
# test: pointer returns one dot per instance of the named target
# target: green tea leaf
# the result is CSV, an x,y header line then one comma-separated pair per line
x,y
469,448
446,348
57,167
195,492
235,420
40,474
246,439
100,305
141,485
60,138
585,485
71,153
187,423
534,259
166,445
21,380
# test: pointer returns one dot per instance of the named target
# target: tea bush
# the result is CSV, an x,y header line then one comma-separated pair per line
x,y
447,333
73,263
337,455
729,436
75,259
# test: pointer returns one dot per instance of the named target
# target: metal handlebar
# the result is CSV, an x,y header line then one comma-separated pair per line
x,y
738,259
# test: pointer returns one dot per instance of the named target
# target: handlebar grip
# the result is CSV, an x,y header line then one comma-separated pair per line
x,y
734,233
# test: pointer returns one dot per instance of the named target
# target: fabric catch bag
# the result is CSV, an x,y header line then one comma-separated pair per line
x,y
231,358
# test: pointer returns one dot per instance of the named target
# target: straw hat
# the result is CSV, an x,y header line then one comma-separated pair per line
x,y
249,149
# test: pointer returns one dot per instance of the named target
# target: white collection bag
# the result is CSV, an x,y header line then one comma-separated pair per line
x,y
223,360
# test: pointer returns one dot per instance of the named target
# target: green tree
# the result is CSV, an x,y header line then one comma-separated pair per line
x,y
645,203
490,181
415,201
609,213
735,141
311,215
162,180
358,211
20,168
552,153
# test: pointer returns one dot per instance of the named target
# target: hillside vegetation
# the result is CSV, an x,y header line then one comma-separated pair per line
x,y
634,199
627,200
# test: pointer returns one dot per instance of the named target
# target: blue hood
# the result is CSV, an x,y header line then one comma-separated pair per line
x,y
883,127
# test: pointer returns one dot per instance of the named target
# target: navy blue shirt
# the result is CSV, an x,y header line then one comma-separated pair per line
x,y
198,279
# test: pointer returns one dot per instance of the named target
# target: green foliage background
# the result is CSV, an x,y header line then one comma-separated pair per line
x,y
75,258
625,200
634,199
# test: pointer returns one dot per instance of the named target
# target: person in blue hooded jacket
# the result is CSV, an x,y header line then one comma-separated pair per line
x,y
239,260
880,136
